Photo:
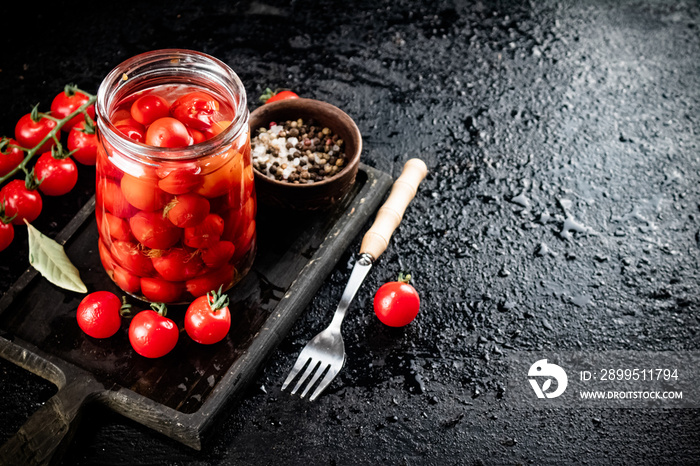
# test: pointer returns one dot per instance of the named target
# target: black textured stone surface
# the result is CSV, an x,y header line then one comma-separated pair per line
x,y
561,212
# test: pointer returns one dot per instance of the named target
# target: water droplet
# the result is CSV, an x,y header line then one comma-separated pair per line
x,y
581,300
521,200
571,225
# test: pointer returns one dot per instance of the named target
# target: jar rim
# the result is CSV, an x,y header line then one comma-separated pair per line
x,y
120,74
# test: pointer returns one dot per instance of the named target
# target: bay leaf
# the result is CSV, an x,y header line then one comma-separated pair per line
x,y
49,258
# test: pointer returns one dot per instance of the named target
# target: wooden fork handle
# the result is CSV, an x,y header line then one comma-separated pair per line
x,y
391,212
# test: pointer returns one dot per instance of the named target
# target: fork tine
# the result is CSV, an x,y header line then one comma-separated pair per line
x,y
330,375
298,366
313,380
309,370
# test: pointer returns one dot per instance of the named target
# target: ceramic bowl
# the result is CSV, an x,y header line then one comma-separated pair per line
x,y
320,194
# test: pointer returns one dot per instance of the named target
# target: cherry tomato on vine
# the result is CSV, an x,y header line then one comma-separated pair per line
x,y
397,303
187,210
82,142
100,314
151,333
10,155
208,319
68,101
148,108
168,132
58,176
198,110
32,128
7,233
21,202
269,96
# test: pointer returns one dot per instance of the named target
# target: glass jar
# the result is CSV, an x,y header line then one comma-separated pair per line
x,y
175,196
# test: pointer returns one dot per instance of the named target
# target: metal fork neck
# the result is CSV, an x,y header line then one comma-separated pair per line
x,y
359,271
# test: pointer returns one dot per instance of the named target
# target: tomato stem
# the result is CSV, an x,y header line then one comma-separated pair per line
x,y
4,218
404,277
160,308
31,182
125,310
53,134
217,300
266,95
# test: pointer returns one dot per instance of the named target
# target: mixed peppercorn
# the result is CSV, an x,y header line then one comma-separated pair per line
x,y
298,151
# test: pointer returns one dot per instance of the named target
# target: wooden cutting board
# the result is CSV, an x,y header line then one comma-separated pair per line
x,y
180,394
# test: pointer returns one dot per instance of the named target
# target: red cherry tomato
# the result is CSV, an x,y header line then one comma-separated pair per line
x,y
10,156
241,191
154,231
100,314
222,178
205,234
82,142
132,129
187,210
144,193
237,220
179,180
105,166
148,108
396,303
151,334
114,227
245,242
218,254
126,280
7,234
168,132
20,202
281,95
220,278
178,265
161,291
129,256
57,176
105,256
66,103
31,129
198,110
208,319
110,195
197,136
217,128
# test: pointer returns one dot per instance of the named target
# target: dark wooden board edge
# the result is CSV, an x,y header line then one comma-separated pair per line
x,y
189,429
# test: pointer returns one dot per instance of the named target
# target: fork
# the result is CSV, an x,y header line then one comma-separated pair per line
x,y
324,355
